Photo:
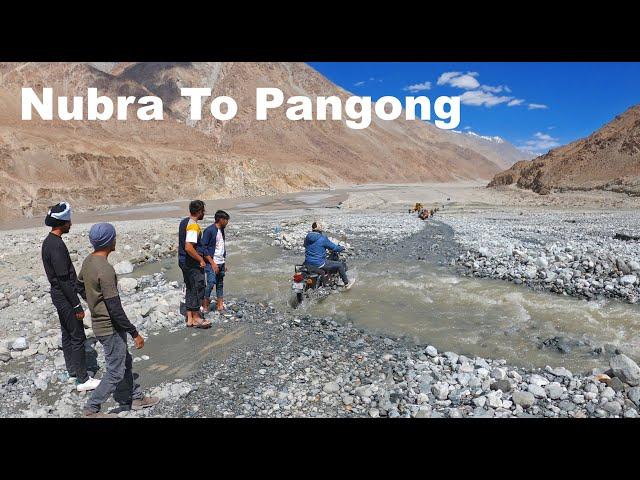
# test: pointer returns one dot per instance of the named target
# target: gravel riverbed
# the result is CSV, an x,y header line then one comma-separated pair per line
x,y
298,365
570,253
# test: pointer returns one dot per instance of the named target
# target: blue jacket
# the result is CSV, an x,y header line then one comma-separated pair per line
x,y
208,242
315,245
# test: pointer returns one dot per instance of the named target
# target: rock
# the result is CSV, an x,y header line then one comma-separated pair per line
x,y
503,385
374,413
127,285
483,251
5,354
331,387
614,408
20,344
364,391
634,395
615,383
555,390
609,393
634,266
499,373
538,380
347,399
123,268
480,401
524,399
431,351
559,372
41,384
628,280
625,369
494,399
537,390
58,362
542,263
440,390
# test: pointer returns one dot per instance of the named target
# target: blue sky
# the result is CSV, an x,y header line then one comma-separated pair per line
x,y
535,106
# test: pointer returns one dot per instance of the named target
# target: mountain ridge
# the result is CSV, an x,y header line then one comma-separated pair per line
x,y
608,159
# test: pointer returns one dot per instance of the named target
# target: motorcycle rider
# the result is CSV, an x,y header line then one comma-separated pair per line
x,y
315,245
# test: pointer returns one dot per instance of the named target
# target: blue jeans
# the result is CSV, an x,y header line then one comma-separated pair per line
x,y
118,378
213,279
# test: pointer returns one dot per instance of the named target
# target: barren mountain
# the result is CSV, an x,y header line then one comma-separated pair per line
x,y
608,159
99,163
496,149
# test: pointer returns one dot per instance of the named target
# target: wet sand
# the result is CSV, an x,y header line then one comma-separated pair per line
x,y
179,209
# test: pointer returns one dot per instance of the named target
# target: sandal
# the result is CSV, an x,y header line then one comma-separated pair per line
x,y
202,324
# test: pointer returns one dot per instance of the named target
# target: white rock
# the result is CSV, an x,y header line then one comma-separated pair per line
x,y
20,344
127,285
628,280
123,268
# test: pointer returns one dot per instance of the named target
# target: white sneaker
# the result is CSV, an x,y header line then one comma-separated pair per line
x,y
90,384
349,285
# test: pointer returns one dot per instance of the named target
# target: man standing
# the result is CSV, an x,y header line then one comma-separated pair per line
x,y
62,277
215,253
110,325
192,264
315,246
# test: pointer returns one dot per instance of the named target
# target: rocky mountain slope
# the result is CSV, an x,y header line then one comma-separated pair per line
x,y
94,164
608,159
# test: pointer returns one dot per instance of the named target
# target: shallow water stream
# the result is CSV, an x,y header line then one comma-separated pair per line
x,y
429,303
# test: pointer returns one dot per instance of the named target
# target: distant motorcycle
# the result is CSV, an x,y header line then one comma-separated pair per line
x,y
315,283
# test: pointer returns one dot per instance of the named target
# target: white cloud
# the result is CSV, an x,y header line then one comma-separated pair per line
x,y
467,128
498,89
466,81
359,84
446,77
515,102
540,143
537,106
477,98
418,87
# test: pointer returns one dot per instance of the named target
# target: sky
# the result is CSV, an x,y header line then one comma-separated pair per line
x,y
535,106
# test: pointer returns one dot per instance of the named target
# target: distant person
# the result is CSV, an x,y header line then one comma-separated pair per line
x,y
192,264
315,246
62,276
110,325
215,253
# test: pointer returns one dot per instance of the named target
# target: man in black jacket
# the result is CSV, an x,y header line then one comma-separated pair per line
x,y
110,325
62,277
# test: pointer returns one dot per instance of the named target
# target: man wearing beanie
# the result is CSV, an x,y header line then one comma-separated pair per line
x,y
110,325
62,277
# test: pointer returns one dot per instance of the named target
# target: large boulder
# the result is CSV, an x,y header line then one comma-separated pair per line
x,y
625,369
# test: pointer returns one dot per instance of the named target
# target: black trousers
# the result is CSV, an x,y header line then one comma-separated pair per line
x,y
194,281
73,338
336,266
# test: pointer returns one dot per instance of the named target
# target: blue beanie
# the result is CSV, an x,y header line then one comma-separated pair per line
x,y
102,235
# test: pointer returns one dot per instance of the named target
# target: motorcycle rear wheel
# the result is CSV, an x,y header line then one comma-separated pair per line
x,y
295,299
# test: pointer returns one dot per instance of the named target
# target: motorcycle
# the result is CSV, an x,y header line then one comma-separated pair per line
x,y
313,282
